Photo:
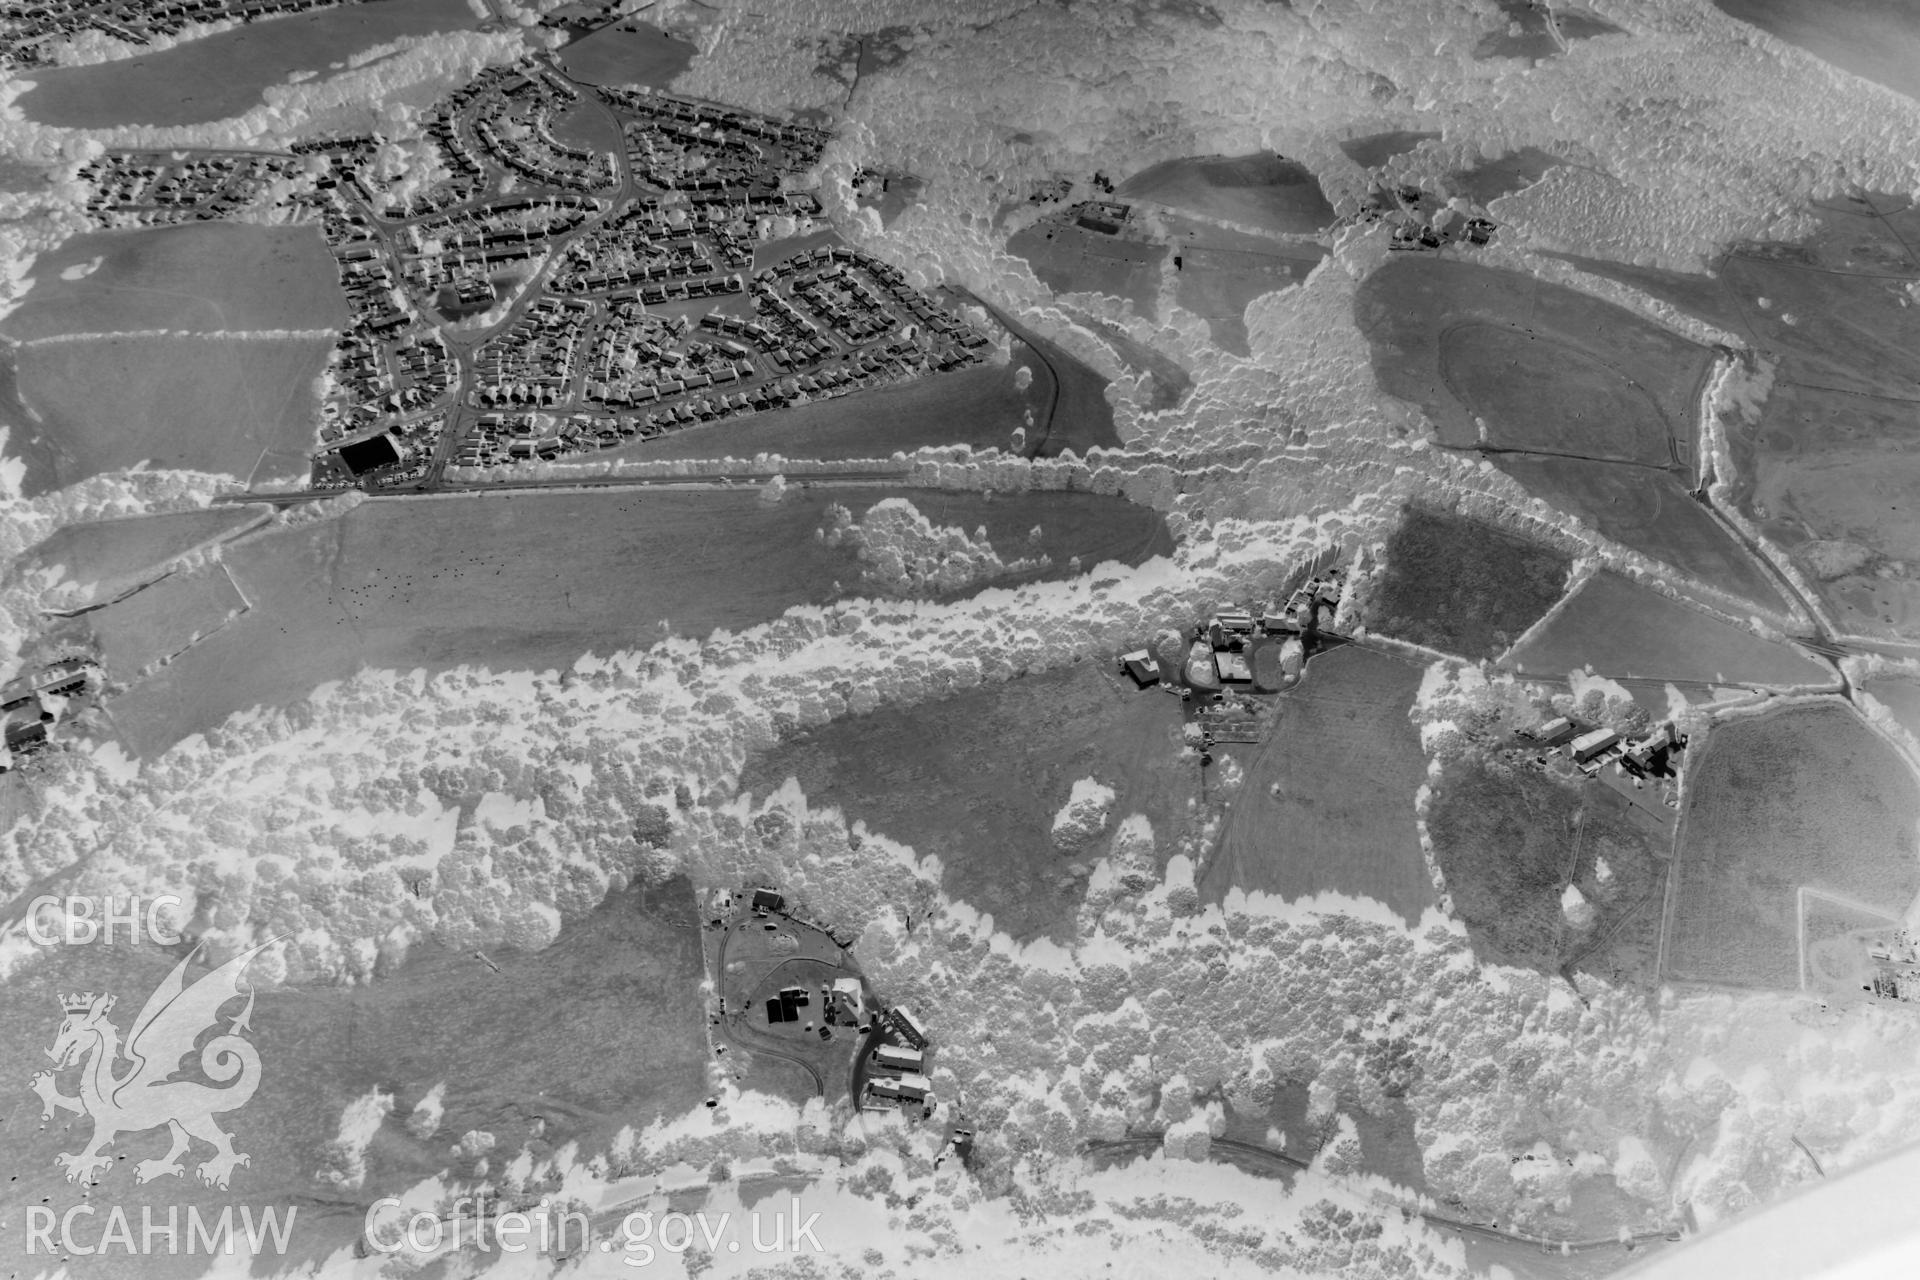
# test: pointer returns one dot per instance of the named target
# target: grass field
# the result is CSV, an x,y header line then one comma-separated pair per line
x,y
1168,380
980,405
1080,416
1375,149
1619,628
158,622
224,74
1567,348
1878,40
755,959
1471,345
1807,796
607,1029
1262,191
109,556
247,409
1327,805
202,277
1834,937
977,779
535,579
1463,587
1218,272
1519,382
1523,33
1650,512
1510,839
616,54
1071,259
1502,175
1902,698
1827,470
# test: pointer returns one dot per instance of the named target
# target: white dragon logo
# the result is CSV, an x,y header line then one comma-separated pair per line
x,y
143,1096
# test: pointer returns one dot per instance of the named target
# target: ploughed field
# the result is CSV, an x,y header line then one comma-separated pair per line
x,y
226,74
1807,796
1577,399
1825,465
535,579
1327,801
606,1028
245,408
977,778
127,352
981,405
1618,628
1462,587
200,277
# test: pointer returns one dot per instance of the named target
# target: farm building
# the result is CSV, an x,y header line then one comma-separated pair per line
x,y
896,1057
1233,667
1141,666
908,1026
1590,744
849,999
909,1088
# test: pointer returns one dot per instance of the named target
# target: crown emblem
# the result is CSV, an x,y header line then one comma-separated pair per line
x,y
77,1003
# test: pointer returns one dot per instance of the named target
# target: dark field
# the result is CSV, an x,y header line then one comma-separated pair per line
x,y
978,406
643,54
1410,308
1071,259
1828,469
1327,805
1651,512
245,408
1619,628
1462,587
1263,191
1510,839
110,555
1376,149
205,277
1805,796
977,779
1878,40
536,579
1503,175
223,75
1218,272
606,1024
